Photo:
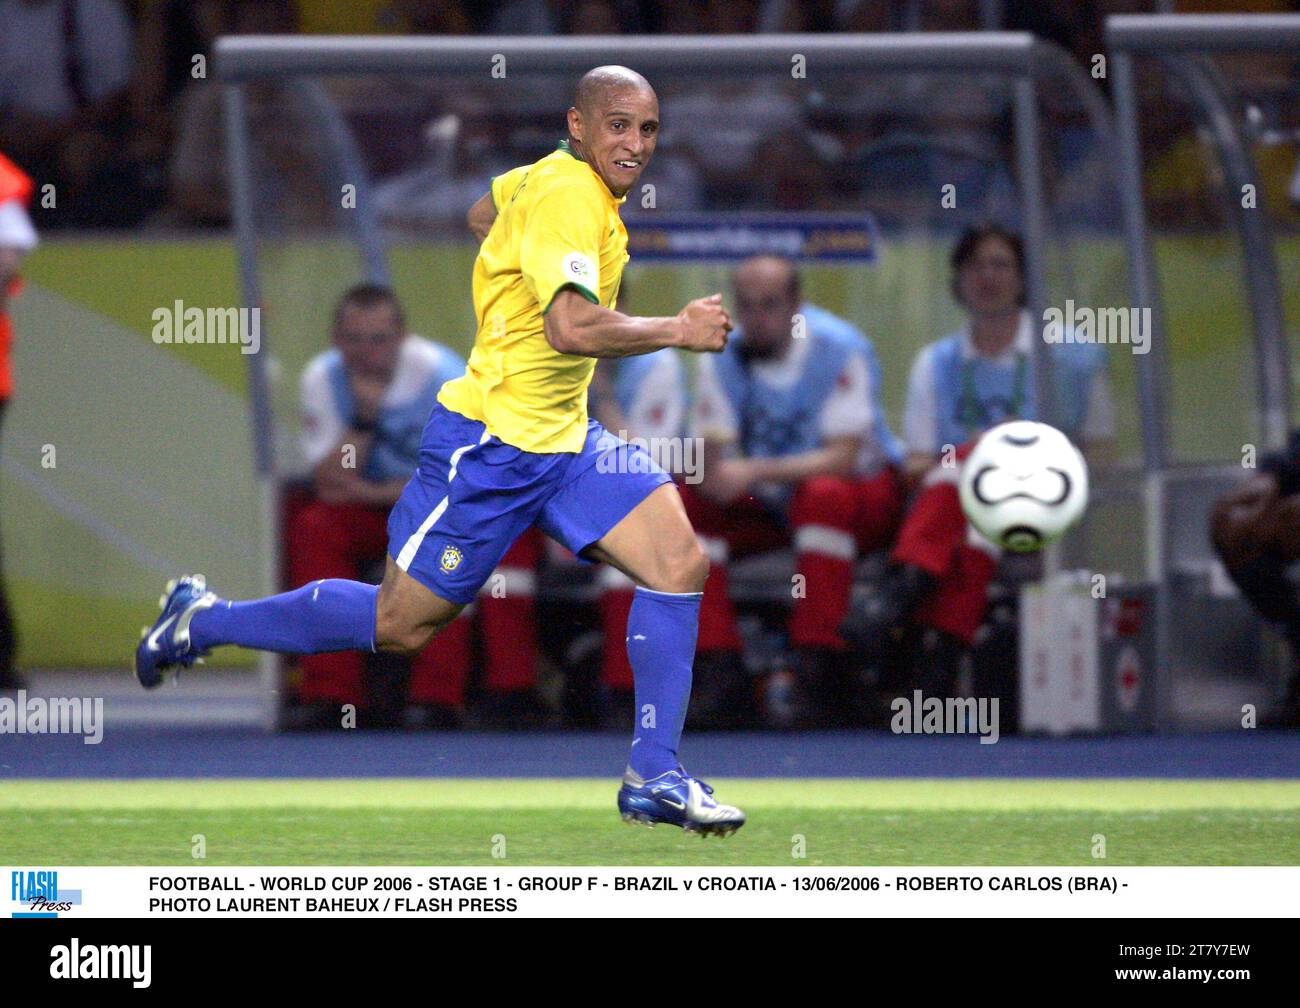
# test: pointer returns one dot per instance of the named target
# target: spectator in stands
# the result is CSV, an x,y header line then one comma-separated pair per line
x,y
796,450
174,44
384,17
17,238
364,404
726,150
285,140
64,70
1256,533
793,183
512,17
593,17
960,386
462,148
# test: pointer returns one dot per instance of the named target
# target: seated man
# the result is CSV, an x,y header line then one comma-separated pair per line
x,y
960,386
796,450
364,405
1256,533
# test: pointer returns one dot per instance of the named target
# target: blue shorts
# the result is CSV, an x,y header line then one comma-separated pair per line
x,y
472,496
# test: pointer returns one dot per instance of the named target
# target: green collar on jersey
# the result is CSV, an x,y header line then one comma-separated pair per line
x,y
564,146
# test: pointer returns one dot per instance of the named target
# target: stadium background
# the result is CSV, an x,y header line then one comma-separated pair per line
x,y
87,542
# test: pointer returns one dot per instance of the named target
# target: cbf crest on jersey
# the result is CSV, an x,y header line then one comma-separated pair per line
x,y
451,558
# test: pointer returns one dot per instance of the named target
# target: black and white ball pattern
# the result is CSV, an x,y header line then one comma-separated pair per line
x,y
1023,485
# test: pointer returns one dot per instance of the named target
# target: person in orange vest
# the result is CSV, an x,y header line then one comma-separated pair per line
x,y
17,237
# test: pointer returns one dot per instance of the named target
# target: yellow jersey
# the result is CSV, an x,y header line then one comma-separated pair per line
x,y
557,226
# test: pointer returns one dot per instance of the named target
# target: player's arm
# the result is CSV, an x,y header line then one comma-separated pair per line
x,y
481,215
339,447
574,325
1238,520
324,433
726,479
920,420
337,477
559,259
835,457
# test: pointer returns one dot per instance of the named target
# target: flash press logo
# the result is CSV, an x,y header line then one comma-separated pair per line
x,y
75,961
37,894
189,324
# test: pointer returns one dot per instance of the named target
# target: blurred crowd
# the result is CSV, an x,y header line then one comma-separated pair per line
x,y
114,104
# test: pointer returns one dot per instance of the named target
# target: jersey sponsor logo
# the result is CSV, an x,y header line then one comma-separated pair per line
x,y
451,558
580,268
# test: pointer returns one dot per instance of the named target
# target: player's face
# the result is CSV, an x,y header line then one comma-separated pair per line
x,y
369,340
619,142
990,282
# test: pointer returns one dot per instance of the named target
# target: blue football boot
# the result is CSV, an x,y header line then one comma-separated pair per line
x,y
167,643
678,799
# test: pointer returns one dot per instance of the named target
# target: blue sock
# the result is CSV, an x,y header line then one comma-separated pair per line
x,y
661,631
331,615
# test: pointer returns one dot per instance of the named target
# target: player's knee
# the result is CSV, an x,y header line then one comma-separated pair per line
x,y
683,569
395,632
400,629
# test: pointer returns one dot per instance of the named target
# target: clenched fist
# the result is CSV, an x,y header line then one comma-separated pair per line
x,y
704,324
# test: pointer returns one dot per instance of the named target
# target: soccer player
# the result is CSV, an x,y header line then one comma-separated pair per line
x,y
510,445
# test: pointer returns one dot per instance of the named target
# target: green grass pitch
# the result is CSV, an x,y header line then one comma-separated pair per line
x,y
574,822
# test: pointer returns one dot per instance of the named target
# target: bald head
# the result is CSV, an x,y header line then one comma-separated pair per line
x,y
762,273
599,87
766,292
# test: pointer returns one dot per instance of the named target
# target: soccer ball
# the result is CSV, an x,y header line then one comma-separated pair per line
x,y
1023,485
